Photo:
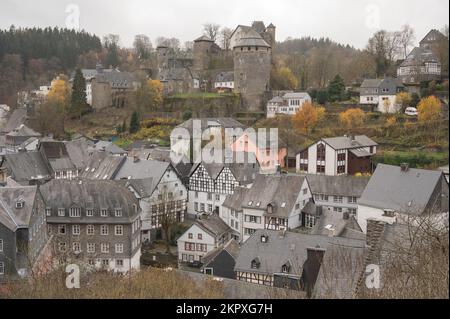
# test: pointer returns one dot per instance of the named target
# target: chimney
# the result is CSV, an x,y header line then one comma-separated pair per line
x,y
404,167
136,159
374,230
312,267
345,215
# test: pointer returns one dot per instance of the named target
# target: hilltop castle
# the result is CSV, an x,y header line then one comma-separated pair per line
x,y
247,65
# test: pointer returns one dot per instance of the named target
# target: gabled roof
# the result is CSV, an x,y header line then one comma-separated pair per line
x,y
259,26
281,248
140,169
297,95
407,191
17,117
235,200
102,166
56,154
337,185
225,76
231,247
25,166
346,142
144,187
213,224
116,79
106,146
279,190
11,216
419,56
78,151
25,131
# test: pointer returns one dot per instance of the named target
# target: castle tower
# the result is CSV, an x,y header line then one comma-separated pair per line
x,y
252,64
202,52
270,34
162,58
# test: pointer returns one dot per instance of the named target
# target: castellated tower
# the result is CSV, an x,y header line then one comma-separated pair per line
x,y
203,48
252,63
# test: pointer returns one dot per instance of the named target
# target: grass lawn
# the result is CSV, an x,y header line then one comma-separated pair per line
x,y
417,159
200,95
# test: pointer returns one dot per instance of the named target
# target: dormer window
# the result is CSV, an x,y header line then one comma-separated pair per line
x,y
264,238
118,212
389,213
269,209
20,204
286,267
250,203
48,211
255,263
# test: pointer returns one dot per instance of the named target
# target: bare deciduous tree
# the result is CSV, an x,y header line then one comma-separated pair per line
x,y
211,30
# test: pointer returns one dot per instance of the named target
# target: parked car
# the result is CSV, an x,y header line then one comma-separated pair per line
x,y
412,111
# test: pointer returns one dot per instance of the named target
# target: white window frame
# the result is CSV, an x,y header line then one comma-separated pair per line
x,y
76,230
90,248
118,230
104,248
90,228
102,230
2,268
118,248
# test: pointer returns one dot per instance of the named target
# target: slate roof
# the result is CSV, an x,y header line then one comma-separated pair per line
x,y
391,84
259,26
144,187
116,79
278,250
337,185
203,38
297,95
420,56
242,172
25,166
345,142
17,117
132,169
102,166
391,188
213,224
56,154
231,247
371,83
78,152
96,194
279,190
106,146
225,76
332,223
235,200
13,217
23,130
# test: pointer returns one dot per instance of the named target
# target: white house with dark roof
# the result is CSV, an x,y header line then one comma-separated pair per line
x,y
342,155
224,81
206,234
287,259
395,192
272,202
337,194
381,93
288,104
209,184
159,190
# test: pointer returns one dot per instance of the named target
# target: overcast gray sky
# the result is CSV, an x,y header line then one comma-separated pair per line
x,y
345,21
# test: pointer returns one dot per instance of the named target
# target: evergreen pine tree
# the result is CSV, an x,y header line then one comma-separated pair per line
x,y
78,103
336,89
134,123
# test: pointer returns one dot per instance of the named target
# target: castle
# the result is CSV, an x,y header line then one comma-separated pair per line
x,y
248,62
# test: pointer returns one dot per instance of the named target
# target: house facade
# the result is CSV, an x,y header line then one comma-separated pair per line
x,y
100,229
160,195
209,184
206,234
288,104
272,202
393,193
343,155
23,231
381,94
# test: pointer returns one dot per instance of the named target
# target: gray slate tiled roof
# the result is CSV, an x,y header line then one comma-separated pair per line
x,y
131,169
231,247
343,142
102,166
235,200
23,130
291,247
213,224
281,191
337,185
409,192
13,217
25,166
96,194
